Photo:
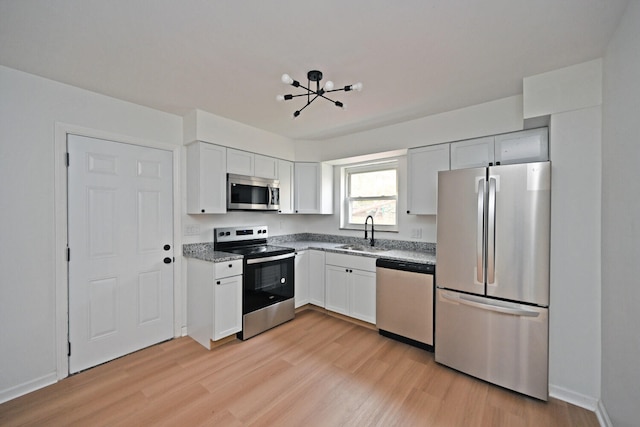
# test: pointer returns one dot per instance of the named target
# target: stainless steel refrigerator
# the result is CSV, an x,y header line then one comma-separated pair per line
x,y
492,274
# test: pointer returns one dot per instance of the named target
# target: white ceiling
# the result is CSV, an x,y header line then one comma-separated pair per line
x,y
414,57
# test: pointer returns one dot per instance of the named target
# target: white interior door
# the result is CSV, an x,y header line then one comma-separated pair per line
x,y
121,249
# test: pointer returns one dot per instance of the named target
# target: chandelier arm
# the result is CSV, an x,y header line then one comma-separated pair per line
x,y
308,103
302,94
336,90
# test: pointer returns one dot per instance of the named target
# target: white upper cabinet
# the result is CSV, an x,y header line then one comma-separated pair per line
x,y
245,163
265,167
423,165
285,176
516,147
522,147
240,162
472,153
313,188
206,178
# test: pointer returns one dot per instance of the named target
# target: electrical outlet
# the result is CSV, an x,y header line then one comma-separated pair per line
x,y
191,230
416,233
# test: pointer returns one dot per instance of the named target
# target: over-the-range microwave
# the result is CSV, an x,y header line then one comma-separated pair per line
x,y
250,193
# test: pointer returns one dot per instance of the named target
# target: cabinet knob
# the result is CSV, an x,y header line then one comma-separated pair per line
x,y
202,211
408,212
167,247
167,260
230,265
218,282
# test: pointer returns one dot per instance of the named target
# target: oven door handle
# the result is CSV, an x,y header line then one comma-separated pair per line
x,y
270,258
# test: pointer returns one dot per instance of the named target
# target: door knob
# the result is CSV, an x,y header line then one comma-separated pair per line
x,y
167,260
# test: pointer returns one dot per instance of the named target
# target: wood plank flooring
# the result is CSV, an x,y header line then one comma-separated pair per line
x,y
316,370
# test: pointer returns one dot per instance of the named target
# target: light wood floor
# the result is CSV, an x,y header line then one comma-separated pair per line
x,y
314,371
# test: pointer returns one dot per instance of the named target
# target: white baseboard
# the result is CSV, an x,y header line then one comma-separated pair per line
x,y
28,387
578,399
603,417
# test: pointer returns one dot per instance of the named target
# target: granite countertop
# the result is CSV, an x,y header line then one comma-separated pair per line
x,y
420,252
205,252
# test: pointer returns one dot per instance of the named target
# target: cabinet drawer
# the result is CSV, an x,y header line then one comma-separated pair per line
x,y
228,268
351,261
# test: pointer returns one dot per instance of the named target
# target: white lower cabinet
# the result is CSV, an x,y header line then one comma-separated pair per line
x,y
316,278
350,284
301,279
214,300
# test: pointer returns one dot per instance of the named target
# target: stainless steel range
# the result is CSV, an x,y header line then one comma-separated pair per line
x,y
268,277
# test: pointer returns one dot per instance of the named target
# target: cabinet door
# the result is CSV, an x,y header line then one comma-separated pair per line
x,y
301,279
265,167
337,289
423,165
306,187
285,176
472,153
522,147
206,178
227,311
313,188
316,278
362,297
240,162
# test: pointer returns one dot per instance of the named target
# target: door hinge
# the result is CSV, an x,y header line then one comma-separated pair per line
x,y
68,348
68,254
67,159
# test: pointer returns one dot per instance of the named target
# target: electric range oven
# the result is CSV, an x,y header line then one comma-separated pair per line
x,y
267,277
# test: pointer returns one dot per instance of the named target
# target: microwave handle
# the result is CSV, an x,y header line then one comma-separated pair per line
x,y
271,195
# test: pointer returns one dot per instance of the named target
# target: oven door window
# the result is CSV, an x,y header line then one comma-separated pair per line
x,y
267,283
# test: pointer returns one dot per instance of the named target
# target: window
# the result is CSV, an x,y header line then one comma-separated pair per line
x,y
371,190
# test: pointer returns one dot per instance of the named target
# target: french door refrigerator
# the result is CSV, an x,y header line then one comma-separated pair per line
x,y
492,274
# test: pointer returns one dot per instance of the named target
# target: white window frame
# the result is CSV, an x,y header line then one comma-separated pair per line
x,y
345,181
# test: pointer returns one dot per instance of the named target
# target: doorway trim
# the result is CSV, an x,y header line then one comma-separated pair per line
x,y
61,232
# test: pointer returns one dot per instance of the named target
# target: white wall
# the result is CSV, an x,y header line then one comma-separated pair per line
x,y
29,109
574,319
203,126
621,223
575,137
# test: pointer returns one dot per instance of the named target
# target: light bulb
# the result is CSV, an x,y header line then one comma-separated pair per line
x,y
286,79
328,85
357,86
279,97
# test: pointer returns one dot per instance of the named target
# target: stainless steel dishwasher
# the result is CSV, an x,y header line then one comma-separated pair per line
x,y
404,301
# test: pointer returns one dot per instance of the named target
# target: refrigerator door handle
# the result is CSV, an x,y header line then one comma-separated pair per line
x,y
480,233
493,306
491,232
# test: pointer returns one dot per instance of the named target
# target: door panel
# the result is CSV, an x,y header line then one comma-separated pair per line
x,y
120,213
522,232
459,234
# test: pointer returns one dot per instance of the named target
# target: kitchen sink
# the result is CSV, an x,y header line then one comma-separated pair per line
x,y
362,248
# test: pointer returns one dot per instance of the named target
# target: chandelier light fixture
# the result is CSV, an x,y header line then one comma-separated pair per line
x,y
312,95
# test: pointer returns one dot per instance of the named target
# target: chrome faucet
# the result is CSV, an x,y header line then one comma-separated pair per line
x,y
365,229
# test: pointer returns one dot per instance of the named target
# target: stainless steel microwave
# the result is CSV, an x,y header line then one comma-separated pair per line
x,y
249,193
